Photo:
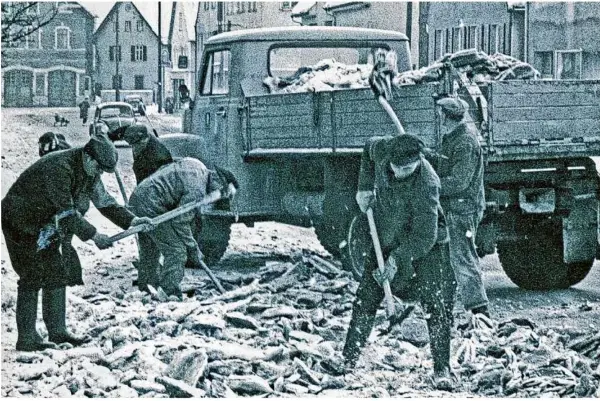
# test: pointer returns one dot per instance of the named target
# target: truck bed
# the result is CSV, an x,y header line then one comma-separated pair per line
x,y
543,119
334,122
526,120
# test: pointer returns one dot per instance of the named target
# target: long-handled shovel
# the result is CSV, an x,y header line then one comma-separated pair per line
x,y
389,298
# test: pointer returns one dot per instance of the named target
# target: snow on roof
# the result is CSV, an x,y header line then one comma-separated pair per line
x,y
335,4
302,8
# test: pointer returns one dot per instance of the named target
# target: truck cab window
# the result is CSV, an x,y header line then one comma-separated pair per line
x,y
215,75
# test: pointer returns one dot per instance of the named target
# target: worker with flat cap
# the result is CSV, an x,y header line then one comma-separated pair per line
x,y
403,190
41,212
50,142
149,154
463,199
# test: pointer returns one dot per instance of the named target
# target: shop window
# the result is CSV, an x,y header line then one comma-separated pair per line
x,y
568,64
543,62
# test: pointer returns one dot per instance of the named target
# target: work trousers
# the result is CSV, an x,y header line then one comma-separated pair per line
x,y
164,240
435,288
464,260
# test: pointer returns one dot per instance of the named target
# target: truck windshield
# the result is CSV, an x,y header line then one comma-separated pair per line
x,y
285,61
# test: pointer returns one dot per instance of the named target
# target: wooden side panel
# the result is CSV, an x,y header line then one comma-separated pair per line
x,y
338,119
531,111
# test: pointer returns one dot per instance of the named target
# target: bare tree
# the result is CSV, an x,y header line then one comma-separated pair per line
x,y
21,19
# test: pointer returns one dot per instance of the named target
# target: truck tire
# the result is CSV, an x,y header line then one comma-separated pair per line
x,y
213,238
536,263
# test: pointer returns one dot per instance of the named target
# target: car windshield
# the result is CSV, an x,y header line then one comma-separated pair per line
x,y
116,111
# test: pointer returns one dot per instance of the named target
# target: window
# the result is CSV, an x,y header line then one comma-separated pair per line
x,y
568,64
254,6
206,6
437,44
127,26
139,53
181,21
138,82
140,25
483,40
493,39
471,37
590,65
33,41
63,7
62,38
456,39
115,26
40,84
32,8
117,81
111,53
182,62
242,6
213,5
216,74
287,5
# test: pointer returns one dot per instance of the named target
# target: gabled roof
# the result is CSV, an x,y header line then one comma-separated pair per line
x,y
147,10
303,7
190,10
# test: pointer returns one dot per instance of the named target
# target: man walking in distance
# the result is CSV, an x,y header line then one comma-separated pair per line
x,y
84,108
41,212
403,190
176,184
463,200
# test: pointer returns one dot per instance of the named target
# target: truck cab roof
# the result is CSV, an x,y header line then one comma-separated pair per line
x,y
294,33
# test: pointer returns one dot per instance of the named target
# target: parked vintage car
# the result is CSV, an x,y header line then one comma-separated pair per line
x,y
116,115
137,103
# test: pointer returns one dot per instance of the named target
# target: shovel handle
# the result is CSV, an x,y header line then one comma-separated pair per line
x,y
389,298
390,112
170,215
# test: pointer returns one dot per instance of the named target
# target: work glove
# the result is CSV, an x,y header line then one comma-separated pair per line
x,y
389,271
102,241
365,200
145,222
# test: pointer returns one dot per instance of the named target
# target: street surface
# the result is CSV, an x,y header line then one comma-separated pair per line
x,y
575,310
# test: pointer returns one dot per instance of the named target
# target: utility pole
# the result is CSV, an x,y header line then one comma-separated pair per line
x,y
117,53
160,83
220,17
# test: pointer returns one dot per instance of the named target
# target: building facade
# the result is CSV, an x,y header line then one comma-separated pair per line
x,y
182,43
52,66
126,54
558,39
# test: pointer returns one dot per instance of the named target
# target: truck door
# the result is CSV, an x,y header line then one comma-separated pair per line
x,y
213,106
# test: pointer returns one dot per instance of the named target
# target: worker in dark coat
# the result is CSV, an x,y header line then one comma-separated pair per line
x,y
403,190
184,181
50,142
41,212
84,108
149,154
463,200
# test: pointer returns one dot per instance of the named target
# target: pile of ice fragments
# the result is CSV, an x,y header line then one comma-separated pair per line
x,y
328,75
277,332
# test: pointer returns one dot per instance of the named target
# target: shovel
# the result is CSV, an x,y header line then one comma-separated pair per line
x,y
389,298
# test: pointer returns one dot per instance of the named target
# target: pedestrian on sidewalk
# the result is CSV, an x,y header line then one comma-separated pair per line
x,y
402,188
41,213
176,184
83,110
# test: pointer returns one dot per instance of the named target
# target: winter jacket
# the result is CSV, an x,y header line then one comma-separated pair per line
x,y
407,212
181,182
461,174
83,109
56,184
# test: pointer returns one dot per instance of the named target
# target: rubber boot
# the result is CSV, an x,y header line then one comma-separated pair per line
x,y
28,337
54,308
359,331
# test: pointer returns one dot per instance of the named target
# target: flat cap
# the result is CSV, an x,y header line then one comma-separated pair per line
x,y
453,107
50,142
404,149
103,151
135,133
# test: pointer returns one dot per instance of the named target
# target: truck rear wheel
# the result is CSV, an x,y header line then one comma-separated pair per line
x,y
536,263
213,238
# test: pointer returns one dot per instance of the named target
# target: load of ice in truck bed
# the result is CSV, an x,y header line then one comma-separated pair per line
x,y
328,75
